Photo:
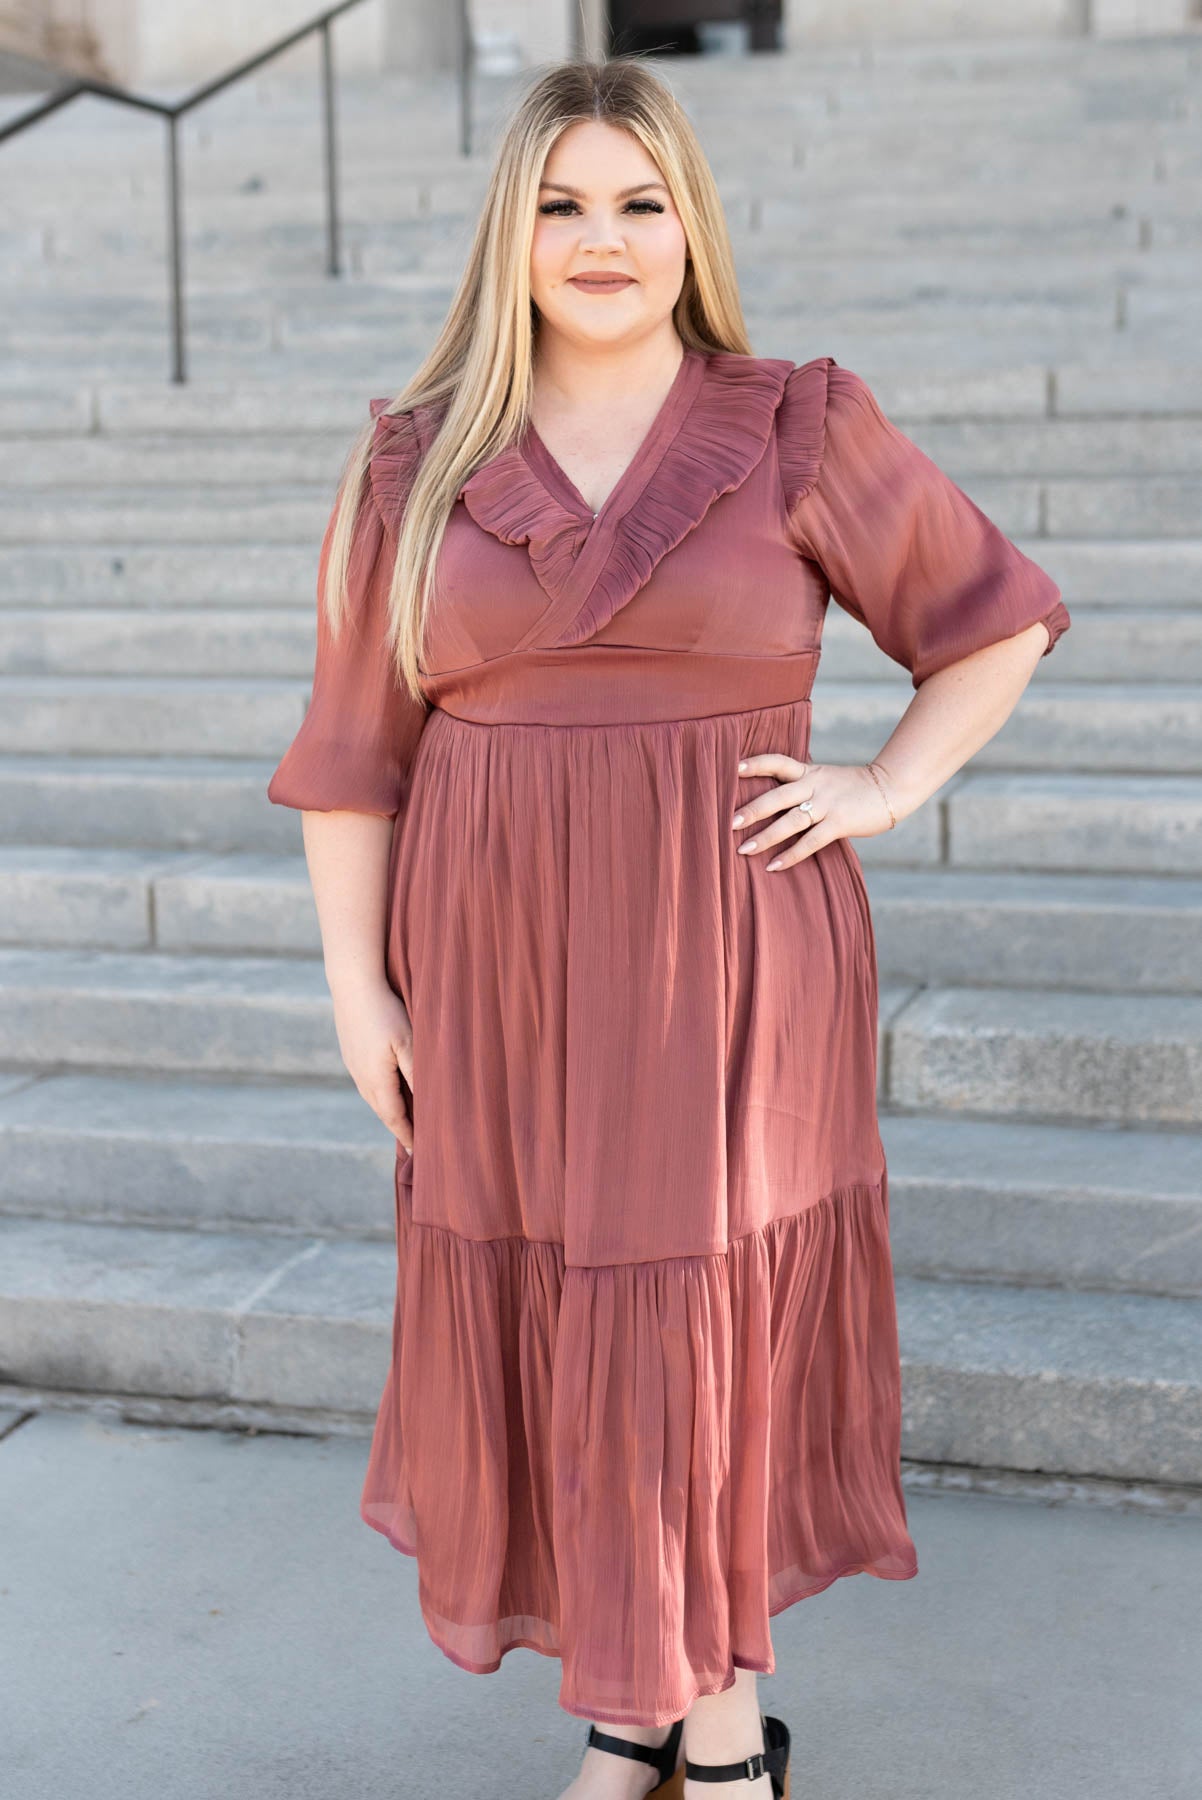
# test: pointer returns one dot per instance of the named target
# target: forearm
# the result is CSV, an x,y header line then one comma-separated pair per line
x,y
953,713
347,854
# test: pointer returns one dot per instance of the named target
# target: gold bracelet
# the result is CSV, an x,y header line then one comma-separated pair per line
x,y
884,796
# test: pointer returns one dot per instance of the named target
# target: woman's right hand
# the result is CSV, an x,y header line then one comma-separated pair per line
x,y
375,1037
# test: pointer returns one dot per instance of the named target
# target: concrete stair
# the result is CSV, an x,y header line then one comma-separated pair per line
x,y
196,1207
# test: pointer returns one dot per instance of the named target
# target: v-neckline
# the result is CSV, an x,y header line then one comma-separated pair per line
x,y
712,429
638,470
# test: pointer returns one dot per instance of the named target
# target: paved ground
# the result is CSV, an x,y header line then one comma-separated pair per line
x,y
198,1613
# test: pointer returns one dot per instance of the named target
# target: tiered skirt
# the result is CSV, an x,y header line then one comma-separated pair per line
x,y
645,1382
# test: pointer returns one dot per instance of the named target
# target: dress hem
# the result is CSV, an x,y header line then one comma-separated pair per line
x,y
794,1380
657,1718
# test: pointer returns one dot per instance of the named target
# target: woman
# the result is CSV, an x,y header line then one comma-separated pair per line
x,y
600,950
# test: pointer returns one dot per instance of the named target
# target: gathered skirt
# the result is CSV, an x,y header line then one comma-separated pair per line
x,y
645,1385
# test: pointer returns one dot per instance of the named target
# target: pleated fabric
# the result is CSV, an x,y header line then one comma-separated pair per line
x,y
645,1386
633,1467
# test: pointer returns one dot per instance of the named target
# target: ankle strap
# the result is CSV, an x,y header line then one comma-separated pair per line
x,y
772,1760
662,1755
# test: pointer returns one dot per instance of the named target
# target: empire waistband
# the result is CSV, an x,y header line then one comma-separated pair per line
x,y
615,684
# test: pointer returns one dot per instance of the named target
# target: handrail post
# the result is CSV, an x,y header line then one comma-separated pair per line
x,y
175,248
171,113
465,78
331,150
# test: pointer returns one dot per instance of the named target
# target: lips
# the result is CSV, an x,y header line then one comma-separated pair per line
x,y
601,284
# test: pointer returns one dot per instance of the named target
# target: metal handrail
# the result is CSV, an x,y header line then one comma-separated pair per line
x,y
172,112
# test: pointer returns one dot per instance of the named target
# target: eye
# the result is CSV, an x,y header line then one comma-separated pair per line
x,y
552,209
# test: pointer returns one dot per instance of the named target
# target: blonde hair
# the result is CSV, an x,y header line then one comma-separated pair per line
x,y
481,364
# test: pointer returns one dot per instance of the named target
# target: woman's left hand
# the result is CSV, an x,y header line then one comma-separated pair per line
x,y
846,803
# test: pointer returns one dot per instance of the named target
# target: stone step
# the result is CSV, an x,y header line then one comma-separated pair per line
x,y
124,249
832,161
1129,1059
146,715
983,342
1096,506
836,226
1140,933
255,1016
128,518
1047,1205
167,575
387,207
1040,1378
157,802
116,408
1146,727
121,263
330,324
177,641
1107,506
268,1318
1075,1383
881,78
1060,448
210,1154
1120,391
980,819
1115,1058
1001,147
1136,933
1138,644
1005,149
1136,824
1140,728
1101,572
974,1199
387,230
259,462
1134,644
171,900
1117,572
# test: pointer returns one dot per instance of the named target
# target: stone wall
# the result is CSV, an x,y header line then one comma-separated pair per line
x,y
163,42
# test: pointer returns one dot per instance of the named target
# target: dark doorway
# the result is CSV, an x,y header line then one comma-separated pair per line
x,y
669,27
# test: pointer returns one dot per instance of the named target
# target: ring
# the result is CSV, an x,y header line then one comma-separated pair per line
x,y
805,806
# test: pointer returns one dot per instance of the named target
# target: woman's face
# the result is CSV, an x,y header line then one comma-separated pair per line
x,y
604,210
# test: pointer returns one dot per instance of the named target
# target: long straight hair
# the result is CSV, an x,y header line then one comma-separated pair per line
x,y
480,367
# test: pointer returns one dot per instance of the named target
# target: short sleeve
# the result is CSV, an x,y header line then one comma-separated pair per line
x,y
355,746
903,549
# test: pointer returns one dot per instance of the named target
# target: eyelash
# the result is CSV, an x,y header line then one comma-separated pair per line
x,y
548,207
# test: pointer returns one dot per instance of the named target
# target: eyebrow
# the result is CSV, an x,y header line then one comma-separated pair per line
x,y
624,193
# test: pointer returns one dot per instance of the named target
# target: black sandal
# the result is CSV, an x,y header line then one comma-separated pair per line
x,y
671,1779
772,1760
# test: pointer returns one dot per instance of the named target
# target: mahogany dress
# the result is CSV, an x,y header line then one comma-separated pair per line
x,y
645,1378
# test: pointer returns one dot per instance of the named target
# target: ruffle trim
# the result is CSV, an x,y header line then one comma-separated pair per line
x,y
721,436
801,428
633,1467
506,498
398,445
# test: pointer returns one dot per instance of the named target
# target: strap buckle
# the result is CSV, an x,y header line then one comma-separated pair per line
x,y
754,1765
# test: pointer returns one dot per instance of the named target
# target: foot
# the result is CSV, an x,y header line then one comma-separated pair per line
x,y
604,1776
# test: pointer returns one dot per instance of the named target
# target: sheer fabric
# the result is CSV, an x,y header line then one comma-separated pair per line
x,y
906,552
645,1385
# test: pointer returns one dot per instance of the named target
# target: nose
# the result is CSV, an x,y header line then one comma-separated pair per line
x,y
602,235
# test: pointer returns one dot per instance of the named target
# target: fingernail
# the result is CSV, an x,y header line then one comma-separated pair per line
x,y
744,848
738,819
774,865
742,765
